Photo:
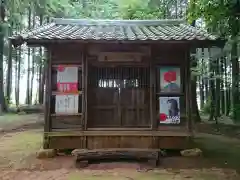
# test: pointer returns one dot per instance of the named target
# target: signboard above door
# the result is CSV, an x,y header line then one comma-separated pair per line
x,y
119,57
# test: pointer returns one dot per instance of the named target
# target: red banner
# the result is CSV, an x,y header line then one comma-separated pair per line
x,y
67,87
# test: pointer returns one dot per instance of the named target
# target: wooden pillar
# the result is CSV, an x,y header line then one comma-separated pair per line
x,y
48,94
153,94
85,85
188,90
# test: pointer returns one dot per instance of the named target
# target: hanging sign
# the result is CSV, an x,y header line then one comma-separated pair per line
x,y
67,82
169,110
170,79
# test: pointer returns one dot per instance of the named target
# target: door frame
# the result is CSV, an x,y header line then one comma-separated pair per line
x,y
122,127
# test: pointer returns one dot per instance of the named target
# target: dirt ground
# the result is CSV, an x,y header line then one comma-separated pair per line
x,y
21,138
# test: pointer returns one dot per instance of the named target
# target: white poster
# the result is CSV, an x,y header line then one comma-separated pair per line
x,y
67,84
66,104
169,110
67,74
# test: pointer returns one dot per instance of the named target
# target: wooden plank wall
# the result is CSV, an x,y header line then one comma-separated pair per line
x,y
171,55
99,142
67,54
157,55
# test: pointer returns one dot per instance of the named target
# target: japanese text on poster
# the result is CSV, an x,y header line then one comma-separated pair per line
x,y
66,104
67,82
67,79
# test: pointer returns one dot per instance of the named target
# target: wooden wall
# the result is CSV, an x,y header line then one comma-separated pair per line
x,y
152,56
104,142
67,54
176,56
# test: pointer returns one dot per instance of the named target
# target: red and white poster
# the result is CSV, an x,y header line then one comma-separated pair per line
x,y
67,82
67,79
170,81
169,112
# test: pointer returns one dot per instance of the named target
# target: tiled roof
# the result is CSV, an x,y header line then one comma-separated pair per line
x,y
118,30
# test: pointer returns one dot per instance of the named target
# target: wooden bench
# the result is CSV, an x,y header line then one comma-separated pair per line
x,y
85,155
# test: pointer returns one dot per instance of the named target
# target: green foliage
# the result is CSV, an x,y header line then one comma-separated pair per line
x,y
140,10
237,111
217,14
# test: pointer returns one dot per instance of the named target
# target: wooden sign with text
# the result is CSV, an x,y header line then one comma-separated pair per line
x,y
119,57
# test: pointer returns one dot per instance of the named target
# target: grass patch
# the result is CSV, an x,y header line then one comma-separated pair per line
x,y
152,175
15,148
220,151
121,176
9,118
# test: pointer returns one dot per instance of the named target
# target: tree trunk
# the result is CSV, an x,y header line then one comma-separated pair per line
x,y
226,92
176,9
16,77
33,64
212,90
217,89
235,70
9,69
195,111
2,100
235,82
40,77
28,62
32,77
43,80
19,72
201,85
222,98
41,72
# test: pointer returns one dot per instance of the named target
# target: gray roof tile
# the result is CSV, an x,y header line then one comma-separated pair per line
x,y
60,29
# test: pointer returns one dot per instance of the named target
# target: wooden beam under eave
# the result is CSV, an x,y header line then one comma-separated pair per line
x,y
192,43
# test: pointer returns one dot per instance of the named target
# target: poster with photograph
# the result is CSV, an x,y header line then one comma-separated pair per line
x,y
170,80
169,110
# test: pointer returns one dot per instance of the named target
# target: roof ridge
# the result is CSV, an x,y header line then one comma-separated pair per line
x,y
62,21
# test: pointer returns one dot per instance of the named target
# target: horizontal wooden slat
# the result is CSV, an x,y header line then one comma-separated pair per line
x,y
140,107
66,93
170,94
67,122
67,65
67,114
120,133
119,129
105,107
82,151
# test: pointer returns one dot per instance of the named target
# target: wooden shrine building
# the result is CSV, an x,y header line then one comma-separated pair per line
x,y
117,83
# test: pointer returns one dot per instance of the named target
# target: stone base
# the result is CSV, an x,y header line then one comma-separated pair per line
x,y
46,153
191,152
